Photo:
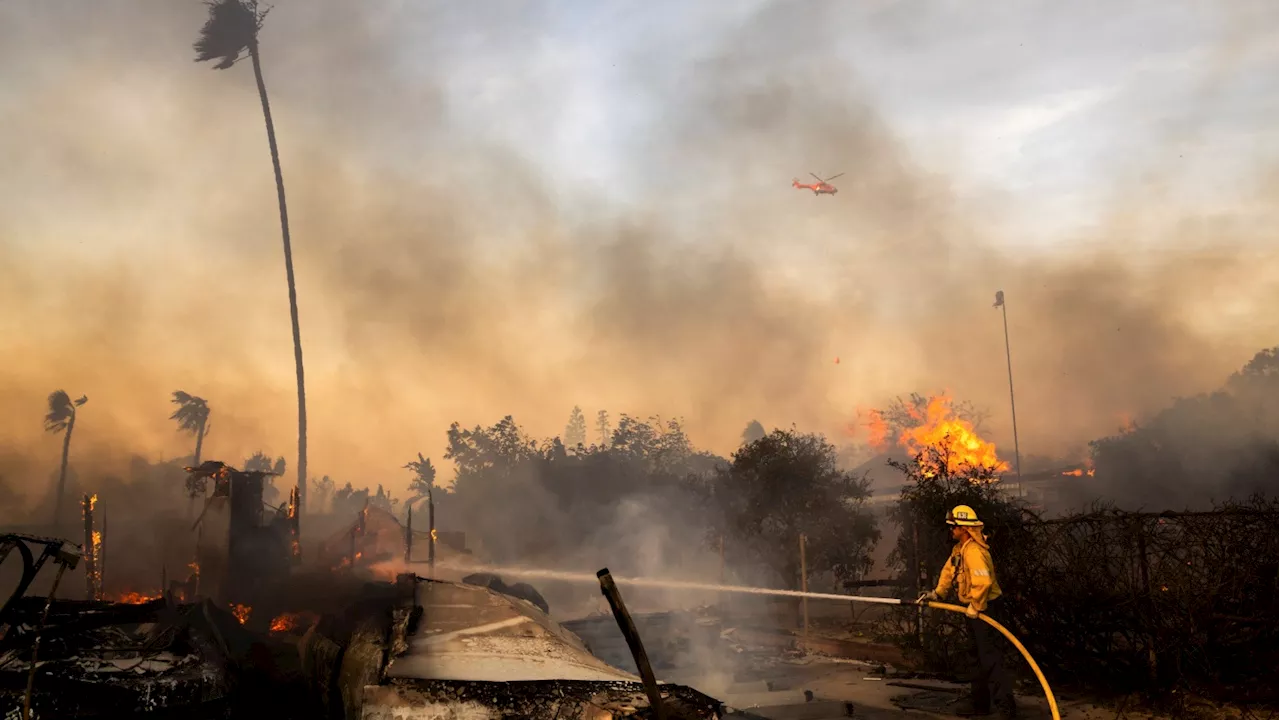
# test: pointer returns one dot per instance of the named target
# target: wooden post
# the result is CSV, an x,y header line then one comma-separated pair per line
x,y
1148,606
431,525
721,599
804,601
90,564
199,537
408,535
295,527
632,636
917,570
102,556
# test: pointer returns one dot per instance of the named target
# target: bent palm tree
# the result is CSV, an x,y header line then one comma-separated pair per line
x,y
231,33
192,416
61,418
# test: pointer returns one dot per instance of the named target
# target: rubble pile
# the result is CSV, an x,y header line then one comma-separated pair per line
x,y
100,659
532,699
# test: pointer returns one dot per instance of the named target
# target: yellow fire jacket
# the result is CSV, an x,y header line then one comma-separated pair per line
x,y
971,572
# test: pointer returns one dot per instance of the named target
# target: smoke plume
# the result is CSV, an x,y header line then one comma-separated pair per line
x,y
444,273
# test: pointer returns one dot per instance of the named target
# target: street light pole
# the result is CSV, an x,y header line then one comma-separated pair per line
x,y
1013,408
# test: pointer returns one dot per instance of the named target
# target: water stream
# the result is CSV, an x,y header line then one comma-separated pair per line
x,y
590,578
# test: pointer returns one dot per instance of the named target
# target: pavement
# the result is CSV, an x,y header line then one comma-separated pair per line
x,y
832,686
473,634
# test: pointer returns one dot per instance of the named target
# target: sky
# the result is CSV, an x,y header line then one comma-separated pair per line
x,y
515,207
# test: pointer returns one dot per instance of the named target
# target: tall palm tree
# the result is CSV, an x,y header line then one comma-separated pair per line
x,y
230,34
61,418
192,416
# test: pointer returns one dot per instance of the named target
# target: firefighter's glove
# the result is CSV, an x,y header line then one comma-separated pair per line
x,y
971,612
930,596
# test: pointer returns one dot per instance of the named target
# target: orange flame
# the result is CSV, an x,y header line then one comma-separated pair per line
x,y
434,537
92,553
955,440
289,622
876,428
96,554
136,598
241,612
877,431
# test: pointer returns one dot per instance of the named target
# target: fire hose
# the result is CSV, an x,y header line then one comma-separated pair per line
x,y
1035,668
1031,662
677,584
1044,684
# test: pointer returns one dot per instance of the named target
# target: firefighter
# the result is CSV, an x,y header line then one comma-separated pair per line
x,y
971,573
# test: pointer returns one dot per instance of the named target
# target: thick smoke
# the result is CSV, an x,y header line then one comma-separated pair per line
x,y
444,275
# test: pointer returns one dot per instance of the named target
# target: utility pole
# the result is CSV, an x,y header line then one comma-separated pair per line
x,y
1008,356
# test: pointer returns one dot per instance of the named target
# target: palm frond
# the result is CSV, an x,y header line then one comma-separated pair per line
x,y
231,30
192,411
60,412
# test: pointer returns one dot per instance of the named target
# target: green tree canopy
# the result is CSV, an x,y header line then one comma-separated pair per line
x,y
784,484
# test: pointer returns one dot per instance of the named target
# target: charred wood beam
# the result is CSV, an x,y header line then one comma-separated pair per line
x,y
91,589
61,551
74,618
628,628
35,647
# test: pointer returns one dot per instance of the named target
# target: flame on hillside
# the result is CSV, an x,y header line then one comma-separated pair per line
x,y
241,612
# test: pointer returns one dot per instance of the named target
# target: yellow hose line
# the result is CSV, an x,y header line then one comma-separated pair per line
x,y
1048,692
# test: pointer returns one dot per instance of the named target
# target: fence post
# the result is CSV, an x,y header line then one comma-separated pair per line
x,y
721,599
916,570
408,535
804,601
1148,604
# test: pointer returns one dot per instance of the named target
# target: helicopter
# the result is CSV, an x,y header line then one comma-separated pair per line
x,y
822,187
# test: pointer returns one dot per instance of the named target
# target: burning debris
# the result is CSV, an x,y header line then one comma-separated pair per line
x,y
135,598
241,553
101,659
292,622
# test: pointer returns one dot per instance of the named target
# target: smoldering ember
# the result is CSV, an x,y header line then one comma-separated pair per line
x,y
198,591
